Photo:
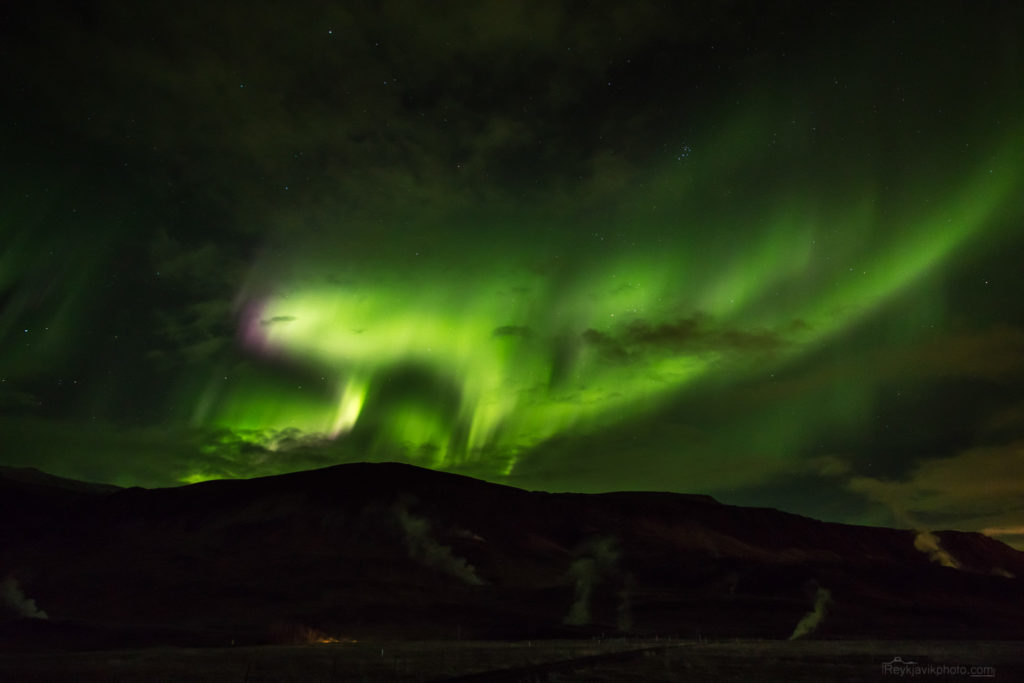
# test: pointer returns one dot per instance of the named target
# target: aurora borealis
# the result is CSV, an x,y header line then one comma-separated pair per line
x,y
766,251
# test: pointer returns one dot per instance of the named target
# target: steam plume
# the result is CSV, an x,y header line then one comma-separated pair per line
x,y
587,571
424,549
810,621
625,615
11,594
584,571
893,495
929,543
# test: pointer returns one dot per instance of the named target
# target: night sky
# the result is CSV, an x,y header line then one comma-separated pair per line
x,y
769,251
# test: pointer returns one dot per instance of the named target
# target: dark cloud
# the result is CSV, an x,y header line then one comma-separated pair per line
x,y
995,354
609,347
985,356
976,489
981,481
277,319
1006,420
695,334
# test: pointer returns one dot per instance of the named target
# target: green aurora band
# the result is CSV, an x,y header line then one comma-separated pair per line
x,y
483,355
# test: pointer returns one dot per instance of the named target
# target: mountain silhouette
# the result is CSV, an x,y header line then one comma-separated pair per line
x,y
387,550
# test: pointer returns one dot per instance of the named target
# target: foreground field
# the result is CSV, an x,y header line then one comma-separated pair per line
x,y
539,661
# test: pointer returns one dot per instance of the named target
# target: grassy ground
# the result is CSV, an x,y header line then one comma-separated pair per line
x,y
533,662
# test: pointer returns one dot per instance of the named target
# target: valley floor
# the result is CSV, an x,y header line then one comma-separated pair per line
x,y
597,661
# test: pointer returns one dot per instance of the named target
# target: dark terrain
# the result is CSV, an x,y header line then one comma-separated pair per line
x,y
381,553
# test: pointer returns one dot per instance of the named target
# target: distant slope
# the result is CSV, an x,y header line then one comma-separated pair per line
x,y
32,476
32,503
390,550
